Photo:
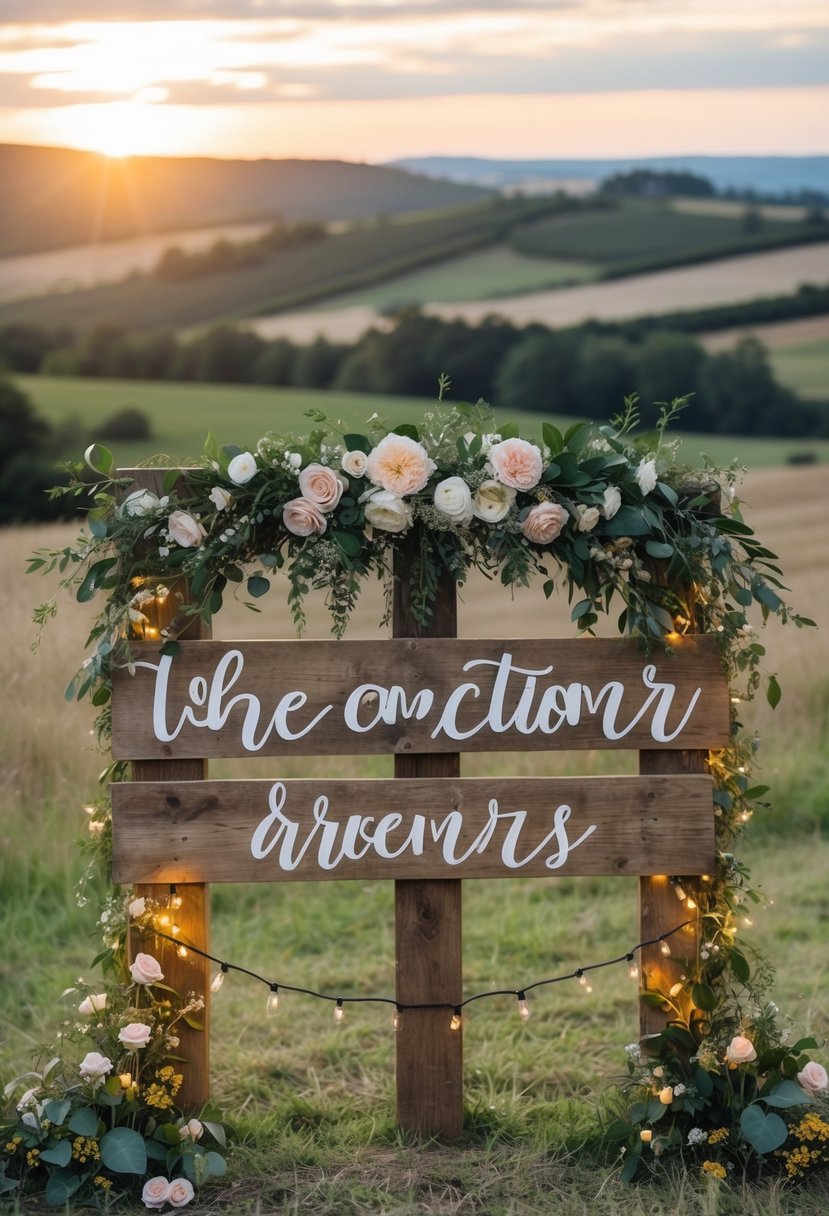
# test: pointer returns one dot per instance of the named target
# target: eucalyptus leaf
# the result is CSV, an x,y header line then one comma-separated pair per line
x,y
785,1094
764,1132
61,1186
58,1153
123,1151
84,1122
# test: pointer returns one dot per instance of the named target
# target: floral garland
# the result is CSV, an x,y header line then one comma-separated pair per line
x,y
609,517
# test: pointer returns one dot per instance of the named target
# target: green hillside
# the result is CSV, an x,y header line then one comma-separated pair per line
x,y
57,197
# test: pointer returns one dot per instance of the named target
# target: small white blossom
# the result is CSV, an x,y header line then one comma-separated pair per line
x,y
697,1136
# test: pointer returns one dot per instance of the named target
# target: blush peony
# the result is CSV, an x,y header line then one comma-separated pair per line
x,y
156,1192
400,465
321,486
813,1078
185,530
516,463
303,518
740,1051
544,522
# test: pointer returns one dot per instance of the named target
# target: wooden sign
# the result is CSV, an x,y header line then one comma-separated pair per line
x,y
270,831
416,695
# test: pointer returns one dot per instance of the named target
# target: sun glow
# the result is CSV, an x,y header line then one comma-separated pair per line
x,y
122,128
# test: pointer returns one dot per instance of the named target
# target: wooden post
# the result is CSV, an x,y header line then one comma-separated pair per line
x,y
190,974
428,930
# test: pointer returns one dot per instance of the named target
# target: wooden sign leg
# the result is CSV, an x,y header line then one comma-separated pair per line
x,y
660,910
428,939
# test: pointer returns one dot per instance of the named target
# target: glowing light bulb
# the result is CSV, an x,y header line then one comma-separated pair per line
x,y
676,989
219,978
273,1001
524,1010
679,892
690,904
665,949
633,970
339,1012
181,951
455,1023
396,1019
584,982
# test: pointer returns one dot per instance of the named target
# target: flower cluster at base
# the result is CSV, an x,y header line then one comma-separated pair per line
x,y
108,1126
755,1107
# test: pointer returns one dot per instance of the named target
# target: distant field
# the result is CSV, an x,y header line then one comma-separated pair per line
x,y
182,414
805,369
799,351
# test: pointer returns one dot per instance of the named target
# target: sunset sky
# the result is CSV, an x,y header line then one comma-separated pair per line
x,y
376,79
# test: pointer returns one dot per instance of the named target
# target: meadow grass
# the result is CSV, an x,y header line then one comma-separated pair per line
x,y
181,415
804,368
312,1103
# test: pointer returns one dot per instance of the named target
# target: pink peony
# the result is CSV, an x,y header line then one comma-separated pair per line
x,y
813,1078
516,463
740,1051
303,518
400,465
544,522
185,529
156,1192
321,486
181,1192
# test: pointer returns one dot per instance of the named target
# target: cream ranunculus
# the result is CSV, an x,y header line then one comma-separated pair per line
x,y
354,464
516,463
242,468
666,1095
135,1035
611,502
141,502
492,501
587,517
740,1051
813,1078
220,498
400,465
191,1130
646,476
388,512
454,498
93,1004
303,518
181,1192
146,970
544,522
185,530
94,1067
156,1192
321,486
137,907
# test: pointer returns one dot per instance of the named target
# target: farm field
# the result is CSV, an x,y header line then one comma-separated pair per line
x,y
182,414
312,1103
799,351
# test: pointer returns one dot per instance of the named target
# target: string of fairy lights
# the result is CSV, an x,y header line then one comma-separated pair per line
x,y
580,974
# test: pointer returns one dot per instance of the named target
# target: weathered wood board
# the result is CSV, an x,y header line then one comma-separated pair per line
x,y
416,696
301,830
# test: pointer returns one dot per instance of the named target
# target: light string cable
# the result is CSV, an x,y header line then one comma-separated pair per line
x,y
339,1001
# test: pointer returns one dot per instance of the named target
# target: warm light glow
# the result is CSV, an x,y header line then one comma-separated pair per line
x,y
273,1002
523,1008
396,1019
339,1012
455,1023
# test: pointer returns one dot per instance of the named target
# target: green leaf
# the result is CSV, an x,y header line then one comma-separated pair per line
x,y
123,1151
350,544
84,1122
703,1082
618,1130
804,1045
764,1132
95,577
628,521
357,443
170,649
655,999
171,477
740,966
658,548
101,695
406,428
258,586
785,1094
217,1131
59,1153
156,1151
61,1186
97,527
552,437
704,997
56,1110
216,1164
212,448
630,1167
100,459
773,692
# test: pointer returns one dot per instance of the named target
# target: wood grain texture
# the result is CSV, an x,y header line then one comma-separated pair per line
x,y
188,831
553,711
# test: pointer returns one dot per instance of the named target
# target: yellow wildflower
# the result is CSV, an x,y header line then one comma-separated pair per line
x,y
104,1183
718,1135
713,1169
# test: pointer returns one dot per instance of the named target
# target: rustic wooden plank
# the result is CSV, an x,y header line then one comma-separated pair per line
x,y
190,973
254,698
426,827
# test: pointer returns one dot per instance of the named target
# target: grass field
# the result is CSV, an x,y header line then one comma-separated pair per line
x,y
182,414
312,1104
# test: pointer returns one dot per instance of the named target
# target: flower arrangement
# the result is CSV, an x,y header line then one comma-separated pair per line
x,y
107,1126
609,518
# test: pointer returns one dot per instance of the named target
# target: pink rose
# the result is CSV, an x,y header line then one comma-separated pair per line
x,y
145,969
544,522
516,463
813,1078
93,1004
185,530
94,1067
321,486
135,1035
181,1192
156,1192
740,1051
399,464
303,518
193,1130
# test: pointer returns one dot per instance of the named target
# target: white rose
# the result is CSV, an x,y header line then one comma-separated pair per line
x,y
94,1066
156,1192
135,1035
354,464
185,529
192,1130
140,502
612,501
454,498
387,511
220,498
813,1078
146,970
586,517
492,501
181,1192
137,907
93,1004
29,1099
294,460
646,476
242,468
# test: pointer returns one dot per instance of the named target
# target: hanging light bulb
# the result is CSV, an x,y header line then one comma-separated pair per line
x,y
175,899
339,1012
665,949
690,904
523,1007
397,1018
633,970
584,982
273,1001
456,1021
219,977
181,951
679,891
